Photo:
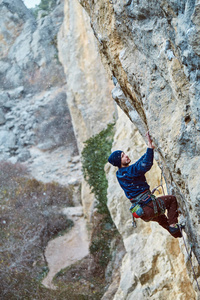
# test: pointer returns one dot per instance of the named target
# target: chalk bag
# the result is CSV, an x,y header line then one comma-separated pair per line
x,y
137,211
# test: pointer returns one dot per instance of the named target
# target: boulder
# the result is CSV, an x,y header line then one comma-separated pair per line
x,y
24,155
7,139
2,117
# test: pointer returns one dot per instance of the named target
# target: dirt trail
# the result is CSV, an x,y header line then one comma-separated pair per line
x,y
66,250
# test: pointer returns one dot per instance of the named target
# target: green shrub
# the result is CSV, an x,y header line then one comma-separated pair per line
x,y
45,5
94,157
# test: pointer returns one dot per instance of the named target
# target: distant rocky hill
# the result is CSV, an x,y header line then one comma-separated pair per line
x,y
34,113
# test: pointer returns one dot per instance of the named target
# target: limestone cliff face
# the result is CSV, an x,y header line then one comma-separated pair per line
x,y
151,48
88,86
154,266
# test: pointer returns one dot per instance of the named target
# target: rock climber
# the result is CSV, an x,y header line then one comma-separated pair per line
x,y
145,205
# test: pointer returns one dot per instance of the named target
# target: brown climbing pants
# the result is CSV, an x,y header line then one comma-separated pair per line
x,y
163,220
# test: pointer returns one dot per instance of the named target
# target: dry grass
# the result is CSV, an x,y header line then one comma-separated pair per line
x,y
29,219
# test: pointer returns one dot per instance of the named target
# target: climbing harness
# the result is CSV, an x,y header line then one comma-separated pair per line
x,y
143,200
136,208
189,256
139,202
160,203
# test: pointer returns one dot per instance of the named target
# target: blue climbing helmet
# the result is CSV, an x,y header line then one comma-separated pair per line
x,y
115,158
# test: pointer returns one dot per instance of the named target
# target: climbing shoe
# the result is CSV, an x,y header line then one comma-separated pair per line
x,y
174,229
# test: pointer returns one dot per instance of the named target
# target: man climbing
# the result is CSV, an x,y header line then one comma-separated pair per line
x,y
145,205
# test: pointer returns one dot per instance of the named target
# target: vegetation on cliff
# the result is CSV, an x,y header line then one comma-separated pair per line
x,y
95,156
45,5
90,271
30,218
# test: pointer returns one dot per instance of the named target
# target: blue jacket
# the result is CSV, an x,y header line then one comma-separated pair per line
x,y
132,179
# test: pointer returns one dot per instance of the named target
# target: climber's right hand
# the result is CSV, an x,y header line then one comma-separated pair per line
x,y
150,143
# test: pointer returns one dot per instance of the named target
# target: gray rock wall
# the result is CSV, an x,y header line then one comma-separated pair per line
x,y
151,48
154,265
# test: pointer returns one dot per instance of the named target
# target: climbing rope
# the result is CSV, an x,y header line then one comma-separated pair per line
x,y
158,201
189,256
181,228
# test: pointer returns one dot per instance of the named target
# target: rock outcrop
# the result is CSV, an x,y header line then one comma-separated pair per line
x,y
154,265
88,86
151,50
